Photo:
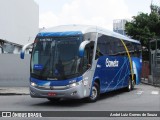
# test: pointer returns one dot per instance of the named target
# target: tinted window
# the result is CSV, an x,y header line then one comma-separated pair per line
x,y
108,45
137,50
120,49
130,47
56,57
104,45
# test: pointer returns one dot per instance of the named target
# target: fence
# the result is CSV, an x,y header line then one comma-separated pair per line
x,y
154,78
145,72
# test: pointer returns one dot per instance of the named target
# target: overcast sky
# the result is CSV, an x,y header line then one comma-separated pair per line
x,y
90,12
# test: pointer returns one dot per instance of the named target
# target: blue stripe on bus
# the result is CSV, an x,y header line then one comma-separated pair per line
x,y
137,70
59,34
55,82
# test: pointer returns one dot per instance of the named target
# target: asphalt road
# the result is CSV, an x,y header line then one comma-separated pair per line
x,y
142,98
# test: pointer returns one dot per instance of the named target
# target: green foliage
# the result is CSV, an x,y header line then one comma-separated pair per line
x,y
144,26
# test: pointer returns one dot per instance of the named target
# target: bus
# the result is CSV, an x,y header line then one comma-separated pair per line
x,y
82,61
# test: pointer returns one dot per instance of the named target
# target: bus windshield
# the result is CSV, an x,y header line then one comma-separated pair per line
x,y
55,58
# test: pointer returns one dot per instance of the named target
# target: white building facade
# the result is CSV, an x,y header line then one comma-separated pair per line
x,y
19,23
119,25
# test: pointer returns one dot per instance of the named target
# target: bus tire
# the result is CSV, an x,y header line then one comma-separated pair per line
x,y
94,93
54,99
133,84
129,87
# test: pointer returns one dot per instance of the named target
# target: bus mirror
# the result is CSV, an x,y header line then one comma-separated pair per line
x,y
22,54
30,51
82,48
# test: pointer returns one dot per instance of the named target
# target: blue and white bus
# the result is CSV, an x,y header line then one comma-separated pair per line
x,y
80,61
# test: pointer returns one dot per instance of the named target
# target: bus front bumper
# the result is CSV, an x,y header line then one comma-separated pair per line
x,y
76,92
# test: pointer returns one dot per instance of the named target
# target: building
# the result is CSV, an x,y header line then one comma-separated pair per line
x,y
19,22
119,25
9,47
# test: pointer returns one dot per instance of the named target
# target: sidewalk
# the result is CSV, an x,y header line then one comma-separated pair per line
x,y
14,90
149,82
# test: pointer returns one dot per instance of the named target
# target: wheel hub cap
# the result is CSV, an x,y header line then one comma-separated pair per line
x,y
94,92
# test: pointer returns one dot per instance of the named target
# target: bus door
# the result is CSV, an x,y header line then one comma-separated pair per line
x,y
88,56
87,67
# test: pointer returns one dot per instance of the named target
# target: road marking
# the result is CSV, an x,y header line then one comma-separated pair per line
x,y
139,92
155,92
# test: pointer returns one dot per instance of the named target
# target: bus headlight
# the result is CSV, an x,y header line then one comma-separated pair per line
x,y
33,84
75,84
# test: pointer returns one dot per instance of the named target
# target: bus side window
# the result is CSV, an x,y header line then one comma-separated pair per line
x,y
85,60
98,53
101,46
88,56
137,50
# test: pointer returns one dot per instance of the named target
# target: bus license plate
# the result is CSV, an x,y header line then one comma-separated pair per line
x,y
51,94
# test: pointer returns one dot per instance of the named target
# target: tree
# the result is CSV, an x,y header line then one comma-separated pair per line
x,y
145,27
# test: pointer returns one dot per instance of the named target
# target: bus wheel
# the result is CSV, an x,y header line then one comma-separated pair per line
x,y
54,99
95,93
129,87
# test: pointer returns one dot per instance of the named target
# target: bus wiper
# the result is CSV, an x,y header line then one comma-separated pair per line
x,y
37,76
72,75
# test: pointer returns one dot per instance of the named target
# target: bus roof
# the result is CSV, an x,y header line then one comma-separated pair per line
x,y
77,29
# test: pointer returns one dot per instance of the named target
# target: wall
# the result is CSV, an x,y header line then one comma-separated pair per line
x,y
14,71
19,20
145,69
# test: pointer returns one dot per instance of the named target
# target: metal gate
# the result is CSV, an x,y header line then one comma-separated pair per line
x,y
155,62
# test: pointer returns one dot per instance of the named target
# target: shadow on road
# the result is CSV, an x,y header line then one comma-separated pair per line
x,y
63,102
114,93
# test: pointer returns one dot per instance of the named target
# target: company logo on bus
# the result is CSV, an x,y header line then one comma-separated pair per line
x,y
110,63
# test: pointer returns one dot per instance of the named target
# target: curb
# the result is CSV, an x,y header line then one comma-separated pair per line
x,y
150,84
14,91
4,94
